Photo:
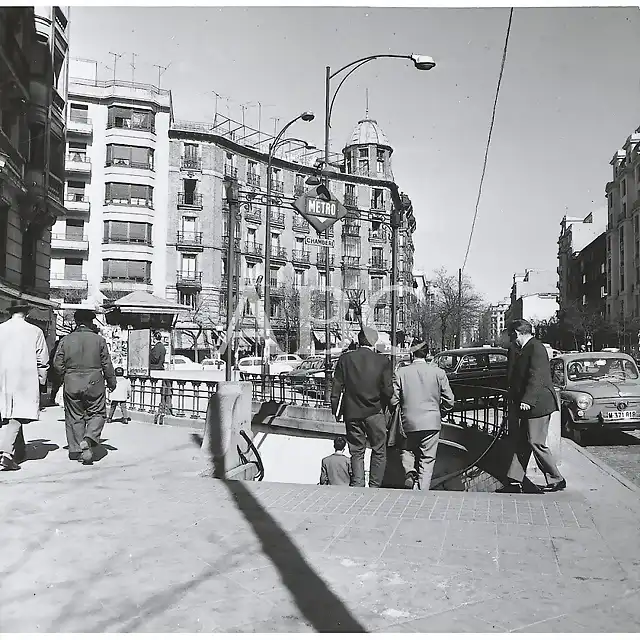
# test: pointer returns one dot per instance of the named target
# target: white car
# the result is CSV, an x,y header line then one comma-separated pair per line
x,y
284,363
209,364
250,365
184,363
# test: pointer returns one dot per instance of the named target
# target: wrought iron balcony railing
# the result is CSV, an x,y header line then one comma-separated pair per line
x,y
277,218
230,171
278,253
253,180
253,248
189,278
378,264
298,189
192,164
300,224
303,257
236,243
350,200
320,260
189,199
189,238
277,185
350,261
254,215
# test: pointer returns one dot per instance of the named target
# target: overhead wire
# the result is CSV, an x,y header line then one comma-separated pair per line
x,y
486,153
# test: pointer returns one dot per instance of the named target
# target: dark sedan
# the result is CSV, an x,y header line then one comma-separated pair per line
x,y
475,366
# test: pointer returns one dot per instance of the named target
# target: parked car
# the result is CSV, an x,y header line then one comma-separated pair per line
x,y
284,363
183,363
209,364
250,365
598,391
308,376
475,366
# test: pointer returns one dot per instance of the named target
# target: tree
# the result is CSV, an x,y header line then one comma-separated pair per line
x,y
290,306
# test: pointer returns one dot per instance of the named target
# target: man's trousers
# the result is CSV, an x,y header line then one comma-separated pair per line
x,y
419,455
373,429
85,413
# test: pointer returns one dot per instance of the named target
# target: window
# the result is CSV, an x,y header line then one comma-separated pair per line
x,y
188,299
351,279
191,157
275,241
377,199
472,363
78,112
298,187
379,314
363,161
322,281
349,166
128,156
299,278
75,191
273,277
252,168
300,244
126,118
380,158
129,270
138,195
190,187
377,256
74,229
4,224
127,233
188,265
77,151
351,246
188,227
376,284
73,269
557,372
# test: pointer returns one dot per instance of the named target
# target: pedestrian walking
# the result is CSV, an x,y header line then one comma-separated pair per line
x,y
532,398
422,392
336,468
363,379
52,377
24,360
157,358
84,363
120,396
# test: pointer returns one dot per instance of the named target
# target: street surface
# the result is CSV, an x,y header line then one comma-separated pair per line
x,y
620,450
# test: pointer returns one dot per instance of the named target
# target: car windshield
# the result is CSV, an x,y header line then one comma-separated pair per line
x,y
601,367
447,361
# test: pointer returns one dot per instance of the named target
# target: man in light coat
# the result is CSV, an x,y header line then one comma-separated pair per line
x,y
336,468
24,359
83,361
422,390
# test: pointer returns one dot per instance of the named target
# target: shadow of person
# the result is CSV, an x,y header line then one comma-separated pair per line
x,y
39,449
101,450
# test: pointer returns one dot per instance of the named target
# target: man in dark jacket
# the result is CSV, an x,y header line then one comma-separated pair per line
x,y
158,353
364,379
533,398
82,360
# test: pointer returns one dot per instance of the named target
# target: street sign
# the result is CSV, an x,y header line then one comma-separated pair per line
x,y
320,208
319,242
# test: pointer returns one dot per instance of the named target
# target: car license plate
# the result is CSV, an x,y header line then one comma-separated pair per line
x,y
621,415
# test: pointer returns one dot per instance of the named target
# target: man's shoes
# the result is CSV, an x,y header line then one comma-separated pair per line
x,y
512,487
8,464
74,455
410,479
556,486
530,487
86,454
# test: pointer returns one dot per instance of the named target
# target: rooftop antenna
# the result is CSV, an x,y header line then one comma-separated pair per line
x,y
366,113
161,71
115,60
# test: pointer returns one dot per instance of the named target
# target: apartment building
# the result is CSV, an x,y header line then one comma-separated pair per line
x,y
33,72
202,157
534,296
623,233
112,238
496,319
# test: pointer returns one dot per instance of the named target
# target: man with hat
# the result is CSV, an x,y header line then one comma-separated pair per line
x,y
24,359
84,363
422,391
363,379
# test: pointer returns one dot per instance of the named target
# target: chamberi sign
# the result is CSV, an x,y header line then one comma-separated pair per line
x,y
320,208
319,242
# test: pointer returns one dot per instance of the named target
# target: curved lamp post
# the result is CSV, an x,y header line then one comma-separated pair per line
x,y
421,63
306,116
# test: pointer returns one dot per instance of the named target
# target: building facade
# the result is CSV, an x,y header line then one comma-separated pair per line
x,y
582,263
534,296
112,238
623,233
33,64
496,319
201,159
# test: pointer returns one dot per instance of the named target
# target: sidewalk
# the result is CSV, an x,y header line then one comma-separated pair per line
x,y
139,542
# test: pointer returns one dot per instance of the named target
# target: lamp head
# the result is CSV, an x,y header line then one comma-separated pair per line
x,y
312,181
423,63
308,116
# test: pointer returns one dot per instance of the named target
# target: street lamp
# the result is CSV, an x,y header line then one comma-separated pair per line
x,y
422,63
306,116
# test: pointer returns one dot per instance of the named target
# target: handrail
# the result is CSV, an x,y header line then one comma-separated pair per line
x,y
252,448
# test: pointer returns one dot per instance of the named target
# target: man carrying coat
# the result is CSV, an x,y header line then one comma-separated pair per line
x,y
82,360
423,391
533,399
363,379
24,360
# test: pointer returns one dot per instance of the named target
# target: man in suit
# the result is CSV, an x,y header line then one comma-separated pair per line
x,y
364,379
423,391
533,399
336,468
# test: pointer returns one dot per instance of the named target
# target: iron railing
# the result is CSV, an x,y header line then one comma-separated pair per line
x,y
277,219
253,180
230,171
189,238
303,257
194,164
190,200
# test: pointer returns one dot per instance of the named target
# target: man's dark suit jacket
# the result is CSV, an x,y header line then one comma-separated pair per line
x,y
365,377
336,470
530,380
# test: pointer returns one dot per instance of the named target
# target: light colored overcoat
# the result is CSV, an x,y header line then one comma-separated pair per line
x,y
422,390
24,360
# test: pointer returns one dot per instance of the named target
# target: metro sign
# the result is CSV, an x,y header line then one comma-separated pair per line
x,y
320,208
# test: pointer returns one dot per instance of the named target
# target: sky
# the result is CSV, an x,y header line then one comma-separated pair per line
x,y
570,97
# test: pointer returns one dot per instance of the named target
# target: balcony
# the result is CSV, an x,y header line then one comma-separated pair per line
x,y
130,202
80,124
189,240
300,224
298,190
189,280
56,188
378,236
277,219
378,205
279,254
234,282
68,281
253,215
378,264
230,171
350,200
77,202
189,200
351,227
191,164
68,243
128,164
130,123
277,186
253,180
253,249
225,243
320,261
77,162
350,262
301,257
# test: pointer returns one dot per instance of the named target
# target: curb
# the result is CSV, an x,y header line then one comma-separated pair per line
x,y
169,421
603,466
